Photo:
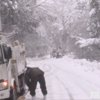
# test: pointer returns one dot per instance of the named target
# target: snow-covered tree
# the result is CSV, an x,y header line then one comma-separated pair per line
x,y
94,26
94,18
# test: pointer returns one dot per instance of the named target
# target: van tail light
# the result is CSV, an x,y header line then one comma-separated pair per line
x,y
5,83
12,87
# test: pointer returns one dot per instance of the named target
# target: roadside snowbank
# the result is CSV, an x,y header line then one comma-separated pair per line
x,y
89,71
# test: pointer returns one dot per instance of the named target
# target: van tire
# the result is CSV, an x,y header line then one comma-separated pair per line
x,y
22,84
13,94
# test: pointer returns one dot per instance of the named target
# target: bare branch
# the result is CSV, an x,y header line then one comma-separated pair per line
x,y
37,5
29,2
6,14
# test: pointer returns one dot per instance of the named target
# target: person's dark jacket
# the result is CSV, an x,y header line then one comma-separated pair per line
x,y
31,73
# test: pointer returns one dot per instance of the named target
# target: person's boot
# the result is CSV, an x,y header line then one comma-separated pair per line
x,y
33,97
45,97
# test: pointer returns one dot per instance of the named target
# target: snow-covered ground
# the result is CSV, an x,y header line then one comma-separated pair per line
x,y
68,78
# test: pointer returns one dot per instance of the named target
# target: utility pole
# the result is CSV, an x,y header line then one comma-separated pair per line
x,y
0,22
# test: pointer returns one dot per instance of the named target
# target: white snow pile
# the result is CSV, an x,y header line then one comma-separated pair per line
x,y
87,70
87,66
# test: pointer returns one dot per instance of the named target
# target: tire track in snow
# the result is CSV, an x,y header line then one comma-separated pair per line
x,y
81,86
70,96
76,75
78,83
69,93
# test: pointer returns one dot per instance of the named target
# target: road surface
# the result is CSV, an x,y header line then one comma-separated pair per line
x,y
63,84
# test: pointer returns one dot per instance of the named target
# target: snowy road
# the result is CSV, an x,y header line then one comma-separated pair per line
x,y
63,84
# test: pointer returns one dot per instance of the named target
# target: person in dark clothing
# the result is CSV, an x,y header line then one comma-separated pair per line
x,y
57,55
32,76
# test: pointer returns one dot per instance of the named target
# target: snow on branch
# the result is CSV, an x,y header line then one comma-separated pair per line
x,y
92,12
15,30
86,42
9,34
76,37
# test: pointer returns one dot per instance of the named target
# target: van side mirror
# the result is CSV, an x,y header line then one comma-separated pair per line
x,y
7,52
